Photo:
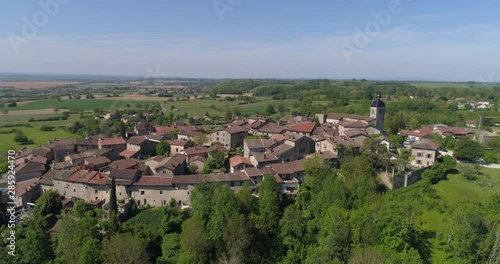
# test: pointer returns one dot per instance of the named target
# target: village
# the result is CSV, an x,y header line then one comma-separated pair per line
x,y
83,168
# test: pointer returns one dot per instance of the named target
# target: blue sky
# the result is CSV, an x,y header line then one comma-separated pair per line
x,y
435,40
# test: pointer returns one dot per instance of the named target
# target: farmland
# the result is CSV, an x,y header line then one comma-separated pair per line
x,y
34,84
33,133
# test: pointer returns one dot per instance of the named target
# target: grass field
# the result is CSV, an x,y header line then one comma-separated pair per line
x,y
150,218
35,134
81,104
433,85
452,191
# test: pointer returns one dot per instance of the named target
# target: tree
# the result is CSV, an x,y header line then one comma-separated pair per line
x,y
229,115
56,110
46,208
124,248
469,149
248,203
90,252
36,246
237,110
194,240
270,109
81,208
170,248
216,162
114,222
237,239
20,137
266,221
162,148
224,206
200,138
5,111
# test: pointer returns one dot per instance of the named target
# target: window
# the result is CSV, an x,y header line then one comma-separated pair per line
x,y
95,191
232,183
373,111
419,154
142,192
419,162
380,111
429,156
74,190
161,192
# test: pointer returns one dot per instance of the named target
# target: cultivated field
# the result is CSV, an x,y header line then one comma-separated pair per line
x,y
33,133
35,85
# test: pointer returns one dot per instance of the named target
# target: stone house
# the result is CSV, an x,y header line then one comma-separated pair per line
x,y
117,144
29,171
424,153
239,163
27,192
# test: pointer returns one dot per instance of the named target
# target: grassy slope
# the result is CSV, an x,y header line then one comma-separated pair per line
x,y
39,137
82,104
456,189
151,218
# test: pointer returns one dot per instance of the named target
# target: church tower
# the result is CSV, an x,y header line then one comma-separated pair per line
x,y
377,111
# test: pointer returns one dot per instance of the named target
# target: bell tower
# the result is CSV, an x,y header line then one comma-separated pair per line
x,y
377,111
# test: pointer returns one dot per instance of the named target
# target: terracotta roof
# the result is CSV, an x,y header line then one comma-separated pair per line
x,y
41,151
341,116
124,164
162,130
239,122
82,176
355,132
263,157
354,124
112,141
30,167
411,133
328,155
235,130
51,175
196,150
171,163
154,181
271,128
39,160
216,147
426,144
177,142
124,176
197,158
186,179
62,165
253,172
97,160
288,167
224,177
425,130
128,153
137,140
144,126
237,160
281,149
305,127
100,179
25,186
293,137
